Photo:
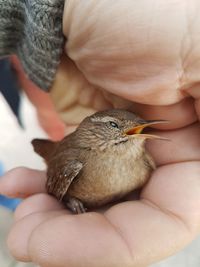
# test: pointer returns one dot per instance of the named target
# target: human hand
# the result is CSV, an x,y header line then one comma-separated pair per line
x,y
149,56
127,234
147,63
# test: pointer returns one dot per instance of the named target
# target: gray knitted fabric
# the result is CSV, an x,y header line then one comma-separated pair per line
x,y
32,29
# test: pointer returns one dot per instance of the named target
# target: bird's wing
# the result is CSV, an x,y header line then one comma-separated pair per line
x,y
149,162
60,175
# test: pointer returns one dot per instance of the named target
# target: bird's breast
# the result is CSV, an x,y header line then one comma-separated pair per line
x,y
107,176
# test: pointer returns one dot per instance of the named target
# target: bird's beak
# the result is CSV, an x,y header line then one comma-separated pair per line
x,y
137,130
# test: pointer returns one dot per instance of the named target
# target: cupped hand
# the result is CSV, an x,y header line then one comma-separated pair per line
x,y
134,233
145,60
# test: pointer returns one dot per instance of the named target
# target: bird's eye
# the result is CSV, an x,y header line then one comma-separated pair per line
x,y
114,124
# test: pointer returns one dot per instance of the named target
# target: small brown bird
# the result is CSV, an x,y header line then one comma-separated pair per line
x,y
102,161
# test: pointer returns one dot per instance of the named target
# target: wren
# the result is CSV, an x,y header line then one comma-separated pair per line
x,y
102,161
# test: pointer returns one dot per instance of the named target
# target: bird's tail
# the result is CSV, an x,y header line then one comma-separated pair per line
x,y
44,148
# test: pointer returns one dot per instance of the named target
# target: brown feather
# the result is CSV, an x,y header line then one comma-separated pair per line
x,y
44,148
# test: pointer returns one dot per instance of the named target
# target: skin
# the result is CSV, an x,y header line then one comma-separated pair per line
x,y
151,56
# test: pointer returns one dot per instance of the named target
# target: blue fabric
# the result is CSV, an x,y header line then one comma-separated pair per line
x,y
9,86
1,169
10,203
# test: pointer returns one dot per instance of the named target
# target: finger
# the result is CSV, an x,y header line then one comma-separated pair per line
x,y
22,182
179,115
176,189
21,231
47,115
183,145
37,203
70,239
169,214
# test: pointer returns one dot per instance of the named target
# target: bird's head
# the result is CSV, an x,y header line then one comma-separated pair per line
x,y
115,127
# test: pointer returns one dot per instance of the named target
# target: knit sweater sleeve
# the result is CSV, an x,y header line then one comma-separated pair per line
x,y
33,31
